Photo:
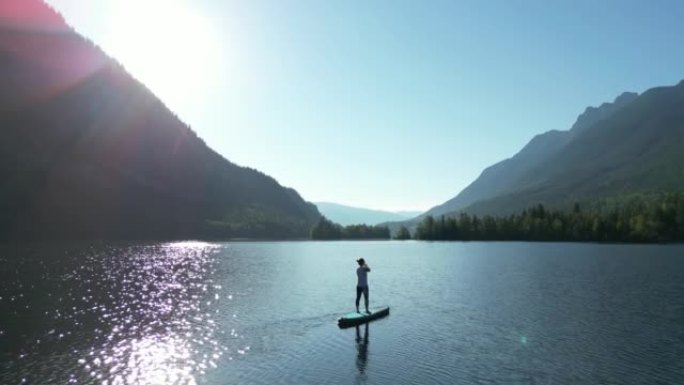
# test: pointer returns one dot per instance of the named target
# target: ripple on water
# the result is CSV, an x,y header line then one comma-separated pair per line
x,y
115,315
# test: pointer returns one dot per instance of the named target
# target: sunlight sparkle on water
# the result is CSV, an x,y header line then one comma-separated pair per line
x,y
191,245
158,329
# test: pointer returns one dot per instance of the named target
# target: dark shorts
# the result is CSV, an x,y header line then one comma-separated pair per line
x,y
361,290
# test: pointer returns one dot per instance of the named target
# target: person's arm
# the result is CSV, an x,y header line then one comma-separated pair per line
x,y
367,268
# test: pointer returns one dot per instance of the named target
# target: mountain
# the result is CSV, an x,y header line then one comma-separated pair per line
x,y
87,152
630,145
505,176
408,213
347,215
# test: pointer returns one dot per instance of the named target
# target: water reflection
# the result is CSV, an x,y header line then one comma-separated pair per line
x,y
110,315
157,327
362,349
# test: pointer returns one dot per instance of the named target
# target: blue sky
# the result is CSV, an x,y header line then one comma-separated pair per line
x,y
384,104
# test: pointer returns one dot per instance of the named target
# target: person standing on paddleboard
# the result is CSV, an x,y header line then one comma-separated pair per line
x,y
362,283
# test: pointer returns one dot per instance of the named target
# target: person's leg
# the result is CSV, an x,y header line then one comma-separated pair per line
x,y
365,298
358,297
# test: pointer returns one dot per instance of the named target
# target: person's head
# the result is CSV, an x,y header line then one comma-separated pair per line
x,y
361,262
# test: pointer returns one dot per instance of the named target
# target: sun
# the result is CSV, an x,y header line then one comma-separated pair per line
x,y
167,44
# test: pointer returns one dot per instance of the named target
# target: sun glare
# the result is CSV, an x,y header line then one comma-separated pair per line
x,y
168,45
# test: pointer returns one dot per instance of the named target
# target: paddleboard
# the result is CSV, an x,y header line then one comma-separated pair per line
x,y
354,318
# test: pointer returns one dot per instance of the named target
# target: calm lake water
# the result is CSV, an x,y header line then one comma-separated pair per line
x,y
265,313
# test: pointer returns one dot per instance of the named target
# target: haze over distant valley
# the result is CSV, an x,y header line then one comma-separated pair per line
x,y
347,215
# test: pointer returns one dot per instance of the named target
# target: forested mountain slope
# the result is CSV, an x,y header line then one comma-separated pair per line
x,y
87,152
513,174
637,149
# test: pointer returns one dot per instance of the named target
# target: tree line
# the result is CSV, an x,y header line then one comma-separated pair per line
x,y
326,229
634,218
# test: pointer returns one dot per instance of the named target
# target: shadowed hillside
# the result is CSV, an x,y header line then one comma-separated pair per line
x,y
87,152
636,149
512,174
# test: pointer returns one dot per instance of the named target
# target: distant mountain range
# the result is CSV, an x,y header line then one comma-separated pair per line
x,y
87,152
347,215
634,144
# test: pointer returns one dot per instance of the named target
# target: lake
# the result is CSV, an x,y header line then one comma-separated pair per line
x,y
266,312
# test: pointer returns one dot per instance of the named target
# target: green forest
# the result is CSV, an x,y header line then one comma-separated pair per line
x,y
326,229
633,218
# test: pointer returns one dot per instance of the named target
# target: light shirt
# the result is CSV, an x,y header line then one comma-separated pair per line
x,y
362,274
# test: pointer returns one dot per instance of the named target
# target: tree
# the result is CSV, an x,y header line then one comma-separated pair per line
x,y
425,229
326,229
403,234
657,217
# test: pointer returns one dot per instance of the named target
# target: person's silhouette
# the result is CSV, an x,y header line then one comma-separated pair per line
x,y
362,283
